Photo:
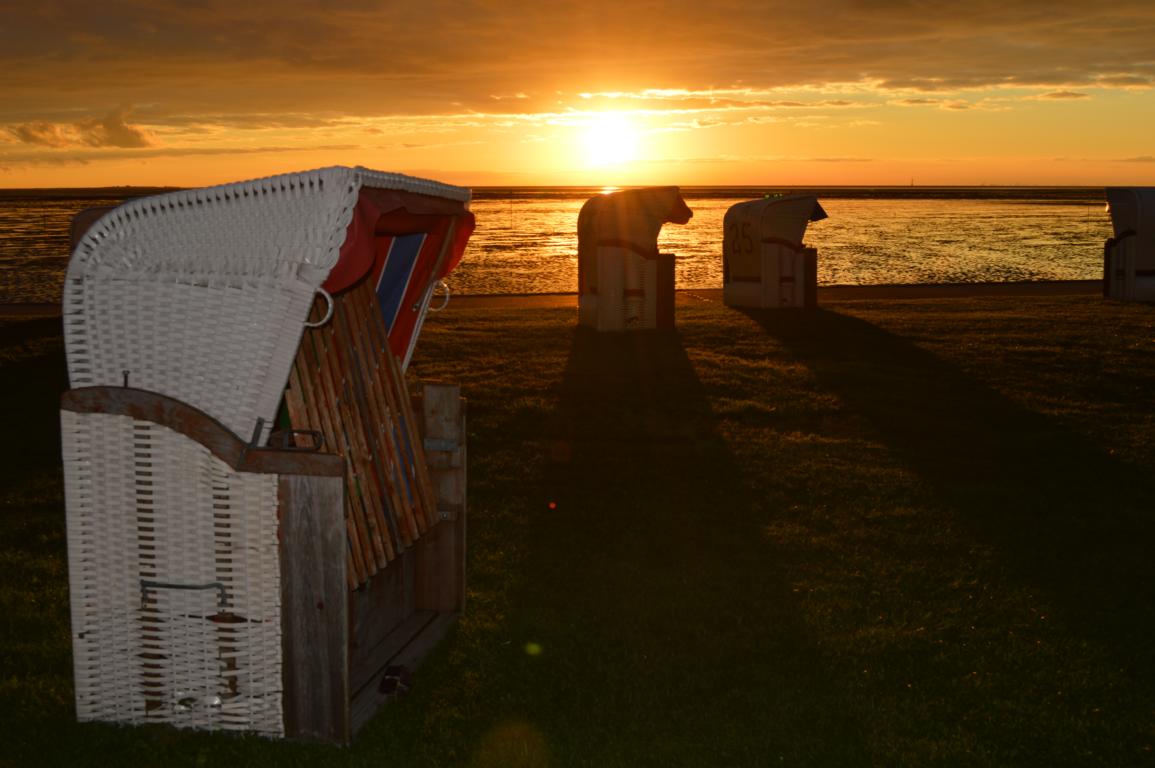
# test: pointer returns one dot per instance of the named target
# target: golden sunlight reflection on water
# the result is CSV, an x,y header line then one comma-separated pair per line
x,y
529,244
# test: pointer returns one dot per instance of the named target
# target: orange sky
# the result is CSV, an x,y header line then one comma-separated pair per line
x,y
495,92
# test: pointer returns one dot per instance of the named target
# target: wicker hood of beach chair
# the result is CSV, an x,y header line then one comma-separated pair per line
x,y
781,220
630,218
202,295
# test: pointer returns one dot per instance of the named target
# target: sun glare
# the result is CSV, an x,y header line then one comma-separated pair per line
x,y
610,139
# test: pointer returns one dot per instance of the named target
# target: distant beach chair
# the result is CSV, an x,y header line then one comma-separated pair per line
x,y
1129,256
224,576
764,261
624,283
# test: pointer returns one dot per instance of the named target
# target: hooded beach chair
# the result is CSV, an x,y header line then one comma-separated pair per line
x,y
764,261
623,282
255,537
1129,256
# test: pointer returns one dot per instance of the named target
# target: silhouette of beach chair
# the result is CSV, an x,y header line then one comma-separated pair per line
x,y
223,575
1129,256
764,261
624,283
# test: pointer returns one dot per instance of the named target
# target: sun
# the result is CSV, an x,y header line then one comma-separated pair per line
x,y
610,139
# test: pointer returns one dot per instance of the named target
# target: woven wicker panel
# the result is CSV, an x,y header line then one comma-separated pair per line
x,y
201,295
174,579
215,347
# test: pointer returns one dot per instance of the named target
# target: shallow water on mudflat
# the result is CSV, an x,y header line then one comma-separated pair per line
x,y
527,243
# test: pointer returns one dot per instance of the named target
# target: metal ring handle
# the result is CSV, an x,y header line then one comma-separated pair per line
x,y
328,314
444,302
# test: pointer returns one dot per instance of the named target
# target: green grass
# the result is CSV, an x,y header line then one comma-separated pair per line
x,y
883,533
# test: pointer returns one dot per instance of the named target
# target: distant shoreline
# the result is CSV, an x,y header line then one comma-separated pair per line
x,y
1065,194
82,193
825,293
736,192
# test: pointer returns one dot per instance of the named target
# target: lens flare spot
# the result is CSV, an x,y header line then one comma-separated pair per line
x,y
513,744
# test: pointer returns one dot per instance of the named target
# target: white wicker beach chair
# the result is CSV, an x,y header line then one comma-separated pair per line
x,y
1129,256
183,314
764,261
624,283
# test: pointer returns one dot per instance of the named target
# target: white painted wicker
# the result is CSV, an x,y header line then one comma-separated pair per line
x,y
201,295
174,578
174,566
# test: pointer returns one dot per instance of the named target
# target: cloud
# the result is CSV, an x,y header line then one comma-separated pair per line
x,y
78,156
954,104
428,145
752,159
247,120
1125,81
204,72
112,130
353,57
42,134
707,99
1140,159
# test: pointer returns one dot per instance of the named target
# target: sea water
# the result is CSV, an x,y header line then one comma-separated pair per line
x,y
526,238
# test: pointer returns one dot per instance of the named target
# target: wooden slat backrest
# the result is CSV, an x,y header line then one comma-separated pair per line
x,y
348,385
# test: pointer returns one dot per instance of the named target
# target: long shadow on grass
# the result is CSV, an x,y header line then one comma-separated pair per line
x,y
32,377
1064,513
660,630
34,638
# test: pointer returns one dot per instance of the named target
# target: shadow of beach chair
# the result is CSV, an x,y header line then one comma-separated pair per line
x,y
764,261
624,283
220,579
1129,256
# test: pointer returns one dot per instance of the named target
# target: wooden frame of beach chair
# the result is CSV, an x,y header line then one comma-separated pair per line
x,y
764,261
213,592
624,283
219,581
1129,256
635,290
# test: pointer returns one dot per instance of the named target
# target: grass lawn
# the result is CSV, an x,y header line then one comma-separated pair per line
x,y
882,533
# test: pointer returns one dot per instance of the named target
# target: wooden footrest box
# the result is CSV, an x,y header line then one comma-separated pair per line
x,y
209,578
